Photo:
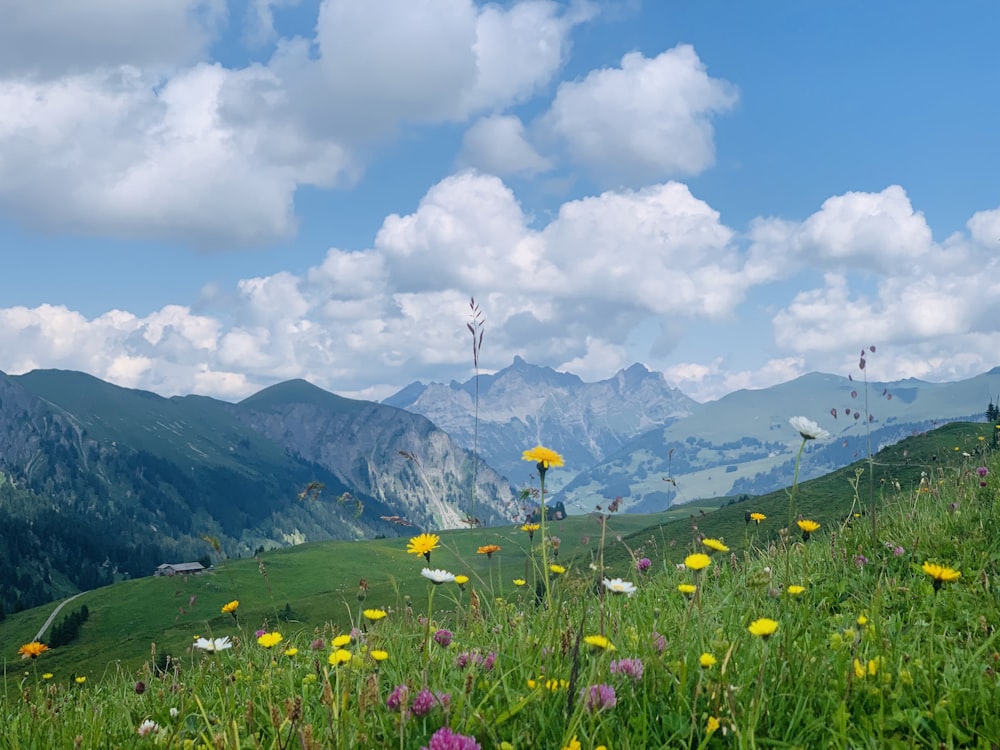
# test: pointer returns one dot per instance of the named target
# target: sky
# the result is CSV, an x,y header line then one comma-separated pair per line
x,y
213,196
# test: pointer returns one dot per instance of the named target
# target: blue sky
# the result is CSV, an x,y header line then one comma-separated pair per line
x,y
208,196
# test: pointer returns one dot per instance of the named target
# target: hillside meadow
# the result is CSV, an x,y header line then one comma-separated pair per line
x,y
710,630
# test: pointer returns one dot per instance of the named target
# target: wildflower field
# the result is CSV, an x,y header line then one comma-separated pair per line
x,y
799,619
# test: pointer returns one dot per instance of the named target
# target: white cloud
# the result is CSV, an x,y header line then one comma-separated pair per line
x,y
579,293
519,49
646,120
123,154
934,306
600,358
984,227
498,145
50,38
707,382
865,232
360,318
132,138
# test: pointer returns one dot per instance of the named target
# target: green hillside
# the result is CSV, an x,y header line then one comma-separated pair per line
x,y
828,499
318,581
305,586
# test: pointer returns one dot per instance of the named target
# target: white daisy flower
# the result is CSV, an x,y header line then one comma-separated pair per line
x,y
618,586
438,576
808,429
213,644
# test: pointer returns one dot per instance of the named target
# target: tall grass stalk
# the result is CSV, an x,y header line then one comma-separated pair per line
x,y
477,328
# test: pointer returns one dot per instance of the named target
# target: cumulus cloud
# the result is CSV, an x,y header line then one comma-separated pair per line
x,y
59,37
123,132
646,120
577,293
498,145
124,154
879,233
396,310
706,382
934,305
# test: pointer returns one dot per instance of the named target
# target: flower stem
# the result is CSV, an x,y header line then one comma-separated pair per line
x,y
795,486
545,555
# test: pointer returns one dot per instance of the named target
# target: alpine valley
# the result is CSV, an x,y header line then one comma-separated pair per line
x,y
100,482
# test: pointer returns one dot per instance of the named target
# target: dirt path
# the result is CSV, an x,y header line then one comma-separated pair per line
x,y
55,612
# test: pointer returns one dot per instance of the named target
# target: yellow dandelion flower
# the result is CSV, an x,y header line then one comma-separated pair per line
x,y
488,550
544,457
707,660
378,654
268,640
32,650
80,680
423,544
599,641
341,640
574,744
711,725
757,517
338,657
230,608
687,588
715,544
530,528
795,590
519,581
697,561
374,614
862,620
47,676
807,527
291,651
557,569
940,574
461,580
763,627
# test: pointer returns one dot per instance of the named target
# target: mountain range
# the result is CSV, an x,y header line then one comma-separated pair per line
x,y
524,405
635,437
99,482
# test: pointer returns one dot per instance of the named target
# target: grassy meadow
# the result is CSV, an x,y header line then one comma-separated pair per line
x,y
847,636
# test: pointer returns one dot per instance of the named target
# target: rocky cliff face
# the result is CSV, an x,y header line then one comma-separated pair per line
x,y
524,405
395,456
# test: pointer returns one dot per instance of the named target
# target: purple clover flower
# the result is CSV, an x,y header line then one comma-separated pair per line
x,y
628,667
982,471
643,564
599,697
445,739
397,698
443,637
860,560
466,658
425,700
